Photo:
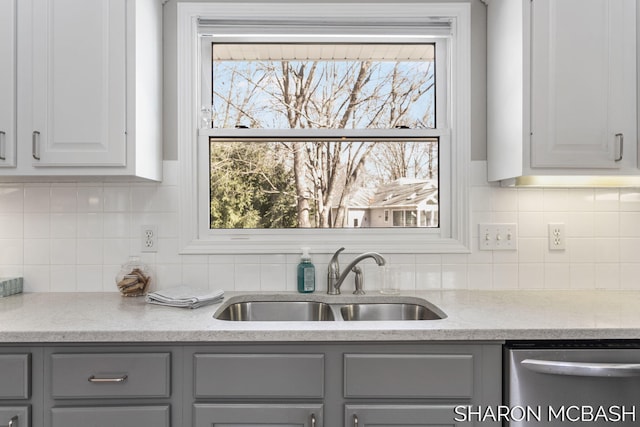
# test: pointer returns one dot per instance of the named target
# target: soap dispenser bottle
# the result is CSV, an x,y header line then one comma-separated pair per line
x,y
306,273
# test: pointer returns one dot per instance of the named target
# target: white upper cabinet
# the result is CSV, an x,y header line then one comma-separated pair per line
x,y
89,88
77,93
562,88
7,83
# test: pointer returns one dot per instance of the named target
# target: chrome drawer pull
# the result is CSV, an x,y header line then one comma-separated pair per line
x,y
313,420
355,420
620,138
13,422
553,367
35,149
3,145
94,379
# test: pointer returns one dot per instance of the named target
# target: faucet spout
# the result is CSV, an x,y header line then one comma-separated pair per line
x,y
335,278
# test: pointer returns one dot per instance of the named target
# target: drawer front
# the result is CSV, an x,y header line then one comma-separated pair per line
x,y
259,375
111,375
401,415
15,372
16,416
258,415
408,375
121,416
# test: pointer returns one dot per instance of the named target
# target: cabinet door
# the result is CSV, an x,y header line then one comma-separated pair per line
x,y
583,84
258,415
7,83
401,416
121,416
15,416
77,97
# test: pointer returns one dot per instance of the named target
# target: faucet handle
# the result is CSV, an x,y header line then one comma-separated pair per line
x,y
334,265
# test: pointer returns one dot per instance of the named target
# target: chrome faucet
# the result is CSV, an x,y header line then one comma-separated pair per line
x,y
335,278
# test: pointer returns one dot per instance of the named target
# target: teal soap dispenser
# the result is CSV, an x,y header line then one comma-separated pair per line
x,y
306,273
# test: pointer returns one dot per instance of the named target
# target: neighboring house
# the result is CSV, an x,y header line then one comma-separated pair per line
x,y
404,202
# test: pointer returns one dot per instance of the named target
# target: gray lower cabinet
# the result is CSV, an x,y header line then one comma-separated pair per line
x,y
340,384
328,384
258,415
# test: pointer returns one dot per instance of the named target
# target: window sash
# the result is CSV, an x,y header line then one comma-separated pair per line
x,y
454,234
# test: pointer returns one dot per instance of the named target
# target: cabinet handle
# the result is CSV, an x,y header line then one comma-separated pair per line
x,y
94,379
13,422
35,150
3,144
313,420
620,139
355,420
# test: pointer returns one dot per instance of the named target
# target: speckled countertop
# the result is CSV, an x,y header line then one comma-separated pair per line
x,y
471,315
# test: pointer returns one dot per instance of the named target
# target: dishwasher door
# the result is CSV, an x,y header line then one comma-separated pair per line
x,y
572,386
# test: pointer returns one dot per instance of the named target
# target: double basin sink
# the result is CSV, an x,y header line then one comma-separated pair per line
x,y
288,308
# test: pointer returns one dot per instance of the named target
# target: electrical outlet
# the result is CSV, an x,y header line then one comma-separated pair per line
x,y
557,237
498,237
149,238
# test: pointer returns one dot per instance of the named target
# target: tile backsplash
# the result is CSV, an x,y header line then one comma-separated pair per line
x,y
73,237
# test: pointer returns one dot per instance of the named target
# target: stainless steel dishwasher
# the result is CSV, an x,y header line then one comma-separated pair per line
x,y
574,383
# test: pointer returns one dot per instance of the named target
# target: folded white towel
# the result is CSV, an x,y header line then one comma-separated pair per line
x,y
185,296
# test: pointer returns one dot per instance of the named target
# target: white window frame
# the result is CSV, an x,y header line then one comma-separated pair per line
x,y
454,233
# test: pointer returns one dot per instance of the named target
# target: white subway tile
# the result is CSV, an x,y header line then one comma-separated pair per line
x,y
222,276
247,277
531,249
607,250
63,278
195,275
37,278
581,199
11,252
11,226
11,198
64,199
89,278
530,200
583,276
531,276
36,225
63,225
629,276
557,276
606,224
89,251
454,276
63,252
606,200
480,276
37,252
607,276
273,277
37,199
116,199
505,276
90,199
630,224
504,200
555,199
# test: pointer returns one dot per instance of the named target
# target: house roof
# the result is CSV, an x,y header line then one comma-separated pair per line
x,y
403,192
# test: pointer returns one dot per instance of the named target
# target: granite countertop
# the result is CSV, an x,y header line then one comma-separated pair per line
x,y
471,316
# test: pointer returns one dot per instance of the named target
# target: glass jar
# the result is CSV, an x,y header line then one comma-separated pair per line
x,y
134,278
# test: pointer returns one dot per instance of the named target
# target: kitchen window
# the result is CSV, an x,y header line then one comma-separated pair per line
x,y
304,124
